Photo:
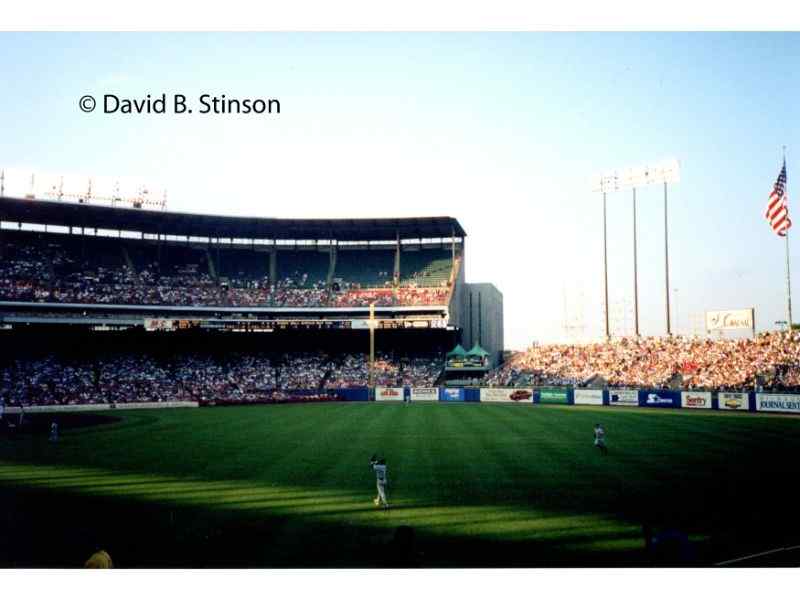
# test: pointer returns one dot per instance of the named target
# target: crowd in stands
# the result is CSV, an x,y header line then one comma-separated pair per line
x,y
769,361
239,378
106,274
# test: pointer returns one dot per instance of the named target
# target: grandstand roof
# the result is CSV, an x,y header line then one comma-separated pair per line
x,y
49,212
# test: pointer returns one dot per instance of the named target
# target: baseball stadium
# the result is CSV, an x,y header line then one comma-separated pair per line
x,y
186,390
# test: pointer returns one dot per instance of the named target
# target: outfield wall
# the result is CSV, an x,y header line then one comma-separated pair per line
x,y
65,408
566,396
630,397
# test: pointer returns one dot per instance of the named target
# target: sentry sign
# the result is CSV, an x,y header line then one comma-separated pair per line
x,y
696,399
594,397
723,320
733,401
660,398
623,397
778,403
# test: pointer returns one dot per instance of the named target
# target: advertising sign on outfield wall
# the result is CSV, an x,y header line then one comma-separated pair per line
x,y
589,397
424,394
696,399
452,395
506,395
778,402
388,393
623,397
733,401
553,396
659,398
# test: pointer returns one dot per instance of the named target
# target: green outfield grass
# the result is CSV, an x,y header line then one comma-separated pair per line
x,y
481,485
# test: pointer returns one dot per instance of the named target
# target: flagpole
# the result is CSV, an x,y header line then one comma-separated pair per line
x,y
788,286
788,271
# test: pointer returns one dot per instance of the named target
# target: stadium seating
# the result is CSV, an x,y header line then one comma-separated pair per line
x,y
48,267
365,268
125,377
771,360
425,268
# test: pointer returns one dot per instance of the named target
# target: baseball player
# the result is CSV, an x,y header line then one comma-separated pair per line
x,y
600,438
379,466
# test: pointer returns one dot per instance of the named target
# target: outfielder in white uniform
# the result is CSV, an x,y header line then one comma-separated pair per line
x,y
379,466
600,438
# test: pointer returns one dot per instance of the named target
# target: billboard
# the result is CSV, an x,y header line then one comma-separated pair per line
x,y
719,320
733,401
696,399
506,395
160,325
778,402
553,396
424,394
383,394
623,397
589,397
660,398
452,395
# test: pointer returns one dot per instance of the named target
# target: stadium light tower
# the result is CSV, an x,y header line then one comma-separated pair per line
x,y
630,179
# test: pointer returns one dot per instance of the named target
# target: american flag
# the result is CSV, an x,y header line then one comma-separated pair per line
x,y
778,205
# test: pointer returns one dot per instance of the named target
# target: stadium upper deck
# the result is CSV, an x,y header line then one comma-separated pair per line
x,y
76,215
66,258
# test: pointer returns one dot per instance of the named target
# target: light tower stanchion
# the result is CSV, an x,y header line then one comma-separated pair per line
x,y
372,325
635,273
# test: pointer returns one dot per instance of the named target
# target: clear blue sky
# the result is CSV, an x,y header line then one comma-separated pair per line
x,y
501,131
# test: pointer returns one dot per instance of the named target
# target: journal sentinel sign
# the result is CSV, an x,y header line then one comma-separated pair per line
x,y
778,403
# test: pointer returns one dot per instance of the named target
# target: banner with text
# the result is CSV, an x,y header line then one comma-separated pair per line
x,y
553,396
733,401
451,395
506,395
424,394
623,397
696,399
730,319
660,398
383,394
589,397
778,402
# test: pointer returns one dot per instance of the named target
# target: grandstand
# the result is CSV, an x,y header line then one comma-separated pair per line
x,y
120,279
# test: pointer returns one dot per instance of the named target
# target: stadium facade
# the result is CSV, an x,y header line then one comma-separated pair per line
x,y
483,322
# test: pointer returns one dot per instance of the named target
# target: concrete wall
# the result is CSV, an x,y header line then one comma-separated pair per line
x,y
483,319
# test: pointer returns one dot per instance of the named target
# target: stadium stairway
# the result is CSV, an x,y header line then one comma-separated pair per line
x,y
212,270
324,381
